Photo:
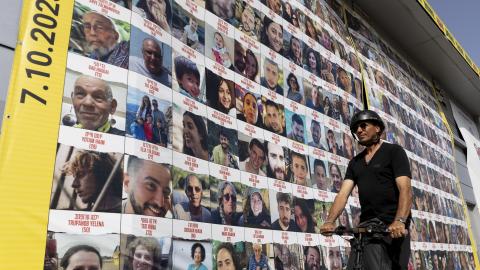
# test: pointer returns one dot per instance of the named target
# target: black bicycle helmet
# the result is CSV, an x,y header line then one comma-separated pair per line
x,y
366,115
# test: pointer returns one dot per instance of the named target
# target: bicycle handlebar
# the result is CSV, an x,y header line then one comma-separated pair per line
x,y
368,230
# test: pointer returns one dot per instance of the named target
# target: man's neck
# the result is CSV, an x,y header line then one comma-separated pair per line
x,y
374,147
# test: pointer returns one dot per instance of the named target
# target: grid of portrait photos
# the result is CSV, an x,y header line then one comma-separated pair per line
x,y
406,100
215,134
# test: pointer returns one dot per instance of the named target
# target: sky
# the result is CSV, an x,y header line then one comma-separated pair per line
x,y
463,20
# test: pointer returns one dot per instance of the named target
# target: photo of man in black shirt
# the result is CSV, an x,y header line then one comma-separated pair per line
x,y
382,174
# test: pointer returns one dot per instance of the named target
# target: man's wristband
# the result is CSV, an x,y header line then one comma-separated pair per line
x,y
401,219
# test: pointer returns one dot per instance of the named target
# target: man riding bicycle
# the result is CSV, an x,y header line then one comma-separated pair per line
x,y
382,174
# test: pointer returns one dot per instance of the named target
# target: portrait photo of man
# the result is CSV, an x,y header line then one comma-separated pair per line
x,y
223,146
319,175
274,117
256,158
276,167
316,133
246,20
271,75
99,37
334,258
314,258
297,128
192,209
285,220
148,185
94,104
332,144
258,259
149,61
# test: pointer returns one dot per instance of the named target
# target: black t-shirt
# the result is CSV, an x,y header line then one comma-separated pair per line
x,y
378,191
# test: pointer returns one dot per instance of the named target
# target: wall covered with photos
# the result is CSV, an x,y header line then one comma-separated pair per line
x,y
211,132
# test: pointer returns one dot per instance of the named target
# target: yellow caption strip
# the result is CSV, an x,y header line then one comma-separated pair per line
x,y
30,130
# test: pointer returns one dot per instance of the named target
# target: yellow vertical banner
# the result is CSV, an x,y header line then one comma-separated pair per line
x,y
30,130
458,183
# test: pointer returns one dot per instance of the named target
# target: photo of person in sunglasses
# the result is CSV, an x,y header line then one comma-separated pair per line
x,y
192,210
226,212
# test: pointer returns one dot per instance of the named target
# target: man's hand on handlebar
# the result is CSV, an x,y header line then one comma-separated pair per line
x,y
397,229
328,228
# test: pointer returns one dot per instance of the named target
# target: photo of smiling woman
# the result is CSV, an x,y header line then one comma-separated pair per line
x,y
144,253
251,65
198,256
194,136
248,109
312,62
255,211
272,35
295,50
294,88
220,93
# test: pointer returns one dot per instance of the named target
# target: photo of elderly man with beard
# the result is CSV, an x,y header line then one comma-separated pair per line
x,y
103,40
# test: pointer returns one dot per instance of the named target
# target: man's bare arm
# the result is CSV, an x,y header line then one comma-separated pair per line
x,y
340,200
397,228
337,207
405,199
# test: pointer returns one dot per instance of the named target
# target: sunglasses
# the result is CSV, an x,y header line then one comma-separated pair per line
x,y
362,125
190,189
229,196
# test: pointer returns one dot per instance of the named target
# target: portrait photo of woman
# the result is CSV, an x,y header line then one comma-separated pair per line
x,y
194,136
220,93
